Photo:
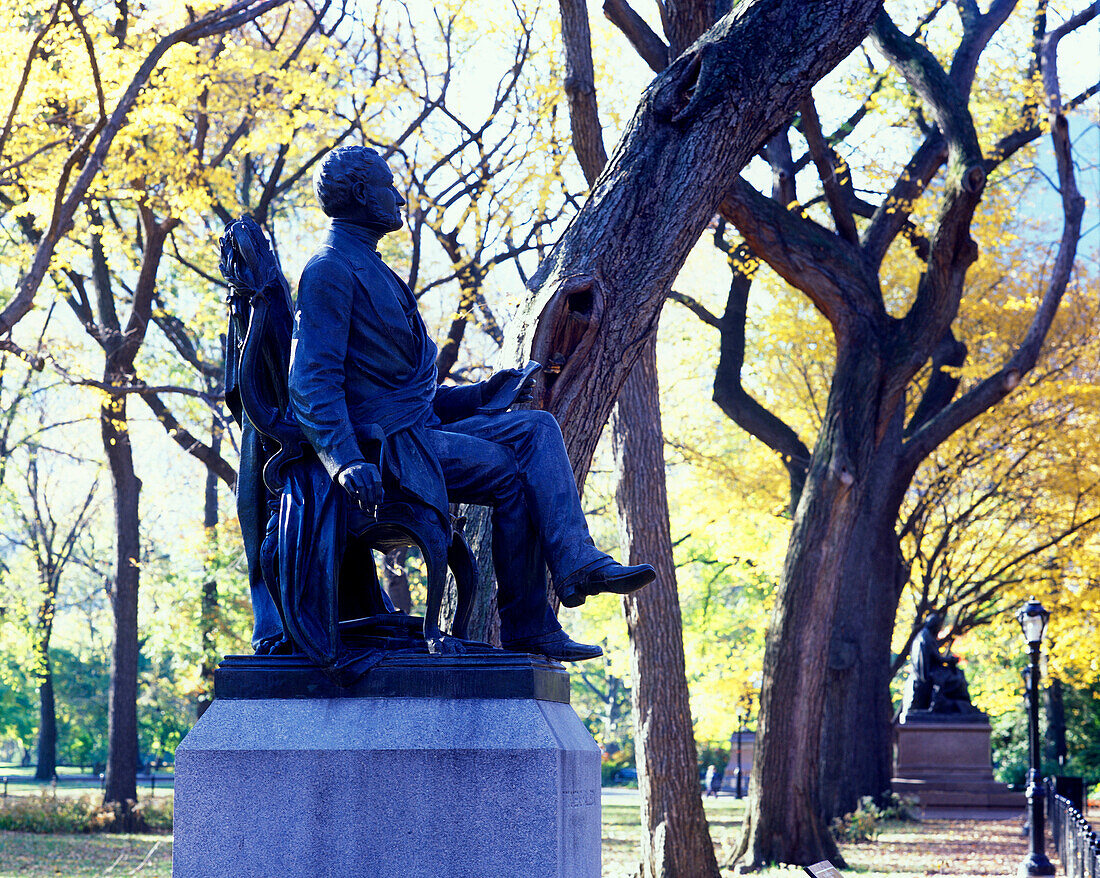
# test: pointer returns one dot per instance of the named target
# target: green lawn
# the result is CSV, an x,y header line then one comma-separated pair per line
x,y
902,850
23,855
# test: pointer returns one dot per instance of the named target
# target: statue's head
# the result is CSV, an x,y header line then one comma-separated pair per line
x,y
353,183
933,622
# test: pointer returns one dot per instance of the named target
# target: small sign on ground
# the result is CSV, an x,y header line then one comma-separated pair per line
x,y
824,869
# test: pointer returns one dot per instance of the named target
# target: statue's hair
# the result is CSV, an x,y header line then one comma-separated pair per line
x,y
338,173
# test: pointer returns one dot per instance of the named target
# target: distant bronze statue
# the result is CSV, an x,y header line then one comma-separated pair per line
x,y
936,683
361,409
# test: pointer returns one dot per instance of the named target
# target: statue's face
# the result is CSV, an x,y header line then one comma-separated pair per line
x,y
378,203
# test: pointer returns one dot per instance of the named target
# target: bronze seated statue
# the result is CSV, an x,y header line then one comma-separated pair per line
x,y
350,444
937,687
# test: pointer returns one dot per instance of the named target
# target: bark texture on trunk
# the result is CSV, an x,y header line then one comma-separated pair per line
x,y
784,821
120,783
46,766
484,624
396,579
857,725
598,294
675,841
208,607
121,347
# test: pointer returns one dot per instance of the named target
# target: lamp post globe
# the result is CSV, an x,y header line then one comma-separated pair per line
x,y
1033,622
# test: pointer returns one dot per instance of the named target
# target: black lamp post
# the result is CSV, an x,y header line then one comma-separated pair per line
x,y
742,718
1033,622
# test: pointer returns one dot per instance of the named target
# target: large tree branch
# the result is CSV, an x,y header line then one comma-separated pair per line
x,y
684,21
195,447
978,30
946,96
731,396
175,330
1049,55
777,152
646,42
952,249
943,382
892,215
826,171
927,78
998,385
141,306
830,271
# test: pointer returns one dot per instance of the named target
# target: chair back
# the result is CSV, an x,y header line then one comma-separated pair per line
x,y
258,346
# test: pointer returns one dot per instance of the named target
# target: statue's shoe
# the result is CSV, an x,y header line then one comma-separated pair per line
x,y
607,576
556,645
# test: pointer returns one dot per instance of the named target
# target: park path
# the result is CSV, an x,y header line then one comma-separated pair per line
x,y
944,847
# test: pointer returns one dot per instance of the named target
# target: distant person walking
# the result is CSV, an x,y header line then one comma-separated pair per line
x,y
713,781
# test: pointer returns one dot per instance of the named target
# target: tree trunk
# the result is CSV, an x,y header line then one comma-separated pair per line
x,y
122,749
484,624
121,348
849,482
675,840
208,608
50,576
1056,749
857,727
600,290
396,579
46,767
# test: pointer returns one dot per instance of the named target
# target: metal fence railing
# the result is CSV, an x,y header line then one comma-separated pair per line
x,y
1077,843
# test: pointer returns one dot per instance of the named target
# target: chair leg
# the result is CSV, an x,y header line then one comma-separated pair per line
x,y
434,550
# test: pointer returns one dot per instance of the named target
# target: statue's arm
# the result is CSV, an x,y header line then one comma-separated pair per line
x,y
505,388
453,403
322,322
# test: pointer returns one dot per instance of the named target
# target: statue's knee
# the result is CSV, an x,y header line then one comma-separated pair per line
x,y
538,421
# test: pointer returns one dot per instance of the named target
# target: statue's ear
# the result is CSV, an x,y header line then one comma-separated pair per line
x,y
360,190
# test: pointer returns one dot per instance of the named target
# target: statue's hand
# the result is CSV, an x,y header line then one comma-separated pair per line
x,y
498,379
363,482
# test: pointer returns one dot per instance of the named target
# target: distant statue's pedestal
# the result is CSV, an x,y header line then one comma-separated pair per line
x,y
945,763
473,766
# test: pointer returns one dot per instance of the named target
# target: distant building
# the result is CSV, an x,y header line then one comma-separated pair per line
x,y
729,779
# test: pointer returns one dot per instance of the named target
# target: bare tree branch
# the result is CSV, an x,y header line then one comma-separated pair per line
x,y
654,51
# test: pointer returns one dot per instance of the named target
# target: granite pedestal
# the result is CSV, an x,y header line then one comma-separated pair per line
x,y
468,767
947,766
